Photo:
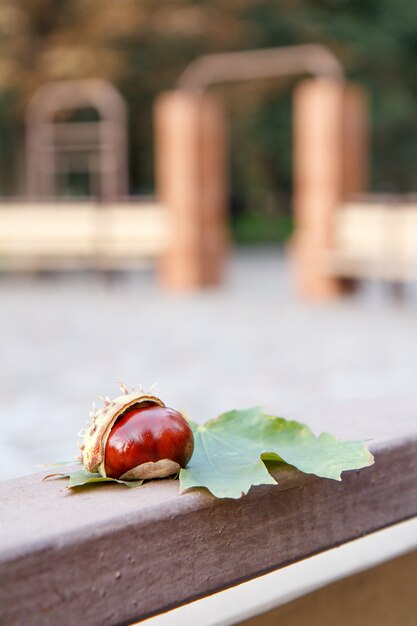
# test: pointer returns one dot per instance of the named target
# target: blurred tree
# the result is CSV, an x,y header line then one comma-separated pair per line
x,y
144,46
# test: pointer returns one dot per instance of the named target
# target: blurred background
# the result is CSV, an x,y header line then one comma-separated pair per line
x,y
85,218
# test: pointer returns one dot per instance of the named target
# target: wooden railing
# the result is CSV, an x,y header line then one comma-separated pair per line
x,y
111,555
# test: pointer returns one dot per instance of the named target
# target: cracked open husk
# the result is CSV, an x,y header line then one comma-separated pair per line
x,y
95,437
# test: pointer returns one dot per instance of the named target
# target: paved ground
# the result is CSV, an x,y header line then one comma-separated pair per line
x,y
63,342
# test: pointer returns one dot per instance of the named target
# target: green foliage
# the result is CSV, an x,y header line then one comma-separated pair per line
x,y
250,228
83,477
144,46
230,452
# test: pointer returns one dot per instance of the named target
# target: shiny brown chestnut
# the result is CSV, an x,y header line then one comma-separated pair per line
x,y
135,436
148,441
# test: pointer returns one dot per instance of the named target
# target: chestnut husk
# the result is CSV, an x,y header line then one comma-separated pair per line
x,y
94,442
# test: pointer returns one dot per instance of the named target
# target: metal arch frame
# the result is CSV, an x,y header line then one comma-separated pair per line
x,y
210,69
112,143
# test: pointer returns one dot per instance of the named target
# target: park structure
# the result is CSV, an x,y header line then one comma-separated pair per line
x,y
340,235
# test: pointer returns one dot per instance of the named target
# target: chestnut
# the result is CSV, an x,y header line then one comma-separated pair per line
x,y
148,441
136,436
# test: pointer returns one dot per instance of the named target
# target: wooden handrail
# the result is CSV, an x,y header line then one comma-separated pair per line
x,y
111,555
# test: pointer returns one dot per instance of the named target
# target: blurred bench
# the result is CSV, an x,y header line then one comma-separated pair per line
x,y
47,236
374,241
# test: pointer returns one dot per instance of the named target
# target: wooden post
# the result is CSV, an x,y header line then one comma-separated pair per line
x,y
330,159
318,180
355,174
191,179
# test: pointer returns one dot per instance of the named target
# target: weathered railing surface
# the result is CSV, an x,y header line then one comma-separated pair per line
x,y
373,578
112,555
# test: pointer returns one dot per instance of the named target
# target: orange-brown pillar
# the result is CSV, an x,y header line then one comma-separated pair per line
x,y
318,110
330,165
191,181
355,175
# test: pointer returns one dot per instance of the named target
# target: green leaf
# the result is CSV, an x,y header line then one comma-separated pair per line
x,y
83,477
229,452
